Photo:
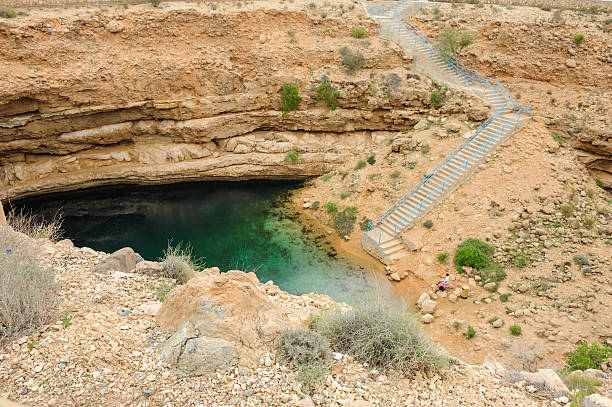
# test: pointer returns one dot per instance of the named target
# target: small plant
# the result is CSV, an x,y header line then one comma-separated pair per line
x,y
453,42
292,156
345,194
363,225
567,210
292,37
588,357
66,320
344,221
161,291
155,3
315,205
442,257
556,137
578,40
7,13
599,183
520,260
308,353
290,97
435,98
352,60
504,297
35,226
328,176
371,159
428,224
470,333
178,263
325,91
589,221
331,207
395,174
358,32
515,330
33,344
360,164
581,383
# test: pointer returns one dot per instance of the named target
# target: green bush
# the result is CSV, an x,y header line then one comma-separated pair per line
x,y
515,330
363,225
436,99
371,159
358,32
155,3
292,156
504,297
471,332
471,257
344,221
453,42
325,91
315,205
520,260
395,174
556,137
28,293
588,357
360,164
578,39
331,207
599,183
161,291
7,13
442,257
345,194
381,337
476,254
352,60
308,353
290,97
179,264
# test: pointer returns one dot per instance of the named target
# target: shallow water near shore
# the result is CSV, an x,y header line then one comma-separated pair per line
x,y
245,226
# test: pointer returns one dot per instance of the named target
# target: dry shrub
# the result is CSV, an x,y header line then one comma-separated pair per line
x,y
28,292
34,225
179,263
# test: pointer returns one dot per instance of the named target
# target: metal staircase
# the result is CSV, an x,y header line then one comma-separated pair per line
x,y
383,236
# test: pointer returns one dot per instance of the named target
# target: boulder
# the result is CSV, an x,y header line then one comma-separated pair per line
x,y
422,298
394,276
547,378
65,244
114,26
492,364
452,298
122,260
490,286
428,307
427,319
148,267
596,400
224,311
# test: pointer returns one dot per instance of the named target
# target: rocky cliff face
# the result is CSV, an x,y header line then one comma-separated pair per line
x,y
165,96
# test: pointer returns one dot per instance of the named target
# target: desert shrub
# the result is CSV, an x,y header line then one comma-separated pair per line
x,y
179,264
363,225
578,39
477,254
436,99
470,332
381,337
34,225
290,97
453,42
520,260
371,159
567,210
442,257
155,3
395,174
581,383
352,60
588,357
315,205
345,194
599,183
358,32
161,291
292,37
28,292
589,221
7,13
331,207
515,330
556,137
428,223
344,221
308,353
504,297
327,177
292,156
471,257
325,91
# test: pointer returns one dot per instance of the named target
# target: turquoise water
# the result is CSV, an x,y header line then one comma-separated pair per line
x,y
243,226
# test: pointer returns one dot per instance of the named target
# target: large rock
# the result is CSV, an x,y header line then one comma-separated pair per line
x,y
220,320
596,400
122,260
428,307
547,378
148,267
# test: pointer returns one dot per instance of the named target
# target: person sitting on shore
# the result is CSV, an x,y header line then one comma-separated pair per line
x,y
442,284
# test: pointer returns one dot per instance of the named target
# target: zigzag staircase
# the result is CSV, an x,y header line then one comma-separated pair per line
x,y
383,236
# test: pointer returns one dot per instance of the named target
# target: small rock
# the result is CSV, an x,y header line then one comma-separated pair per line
x,y
114,26
570,63
146,393
427,319
65,244
498,323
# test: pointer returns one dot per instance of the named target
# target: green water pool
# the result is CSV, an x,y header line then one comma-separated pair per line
x,y
238,225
